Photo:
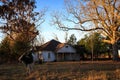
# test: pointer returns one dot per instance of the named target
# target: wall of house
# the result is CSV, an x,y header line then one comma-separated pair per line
x,y
119,53
48,56
36,56
66,49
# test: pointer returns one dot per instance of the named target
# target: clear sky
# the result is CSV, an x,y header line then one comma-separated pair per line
x,y
48,30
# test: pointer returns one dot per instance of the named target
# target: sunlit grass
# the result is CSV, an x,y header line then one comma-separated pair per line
x,y
63,71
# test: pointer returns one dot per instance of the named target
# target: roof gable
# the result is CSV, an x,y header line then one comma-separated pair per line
x,y
65,48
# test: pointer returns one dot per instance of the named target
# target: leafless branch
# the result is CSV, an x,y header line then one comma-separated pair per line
x,y
67,29
104,14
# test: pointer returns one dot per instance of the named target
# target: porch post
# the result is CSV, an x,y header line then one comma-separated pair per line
x,y
57,57
70,57
63,56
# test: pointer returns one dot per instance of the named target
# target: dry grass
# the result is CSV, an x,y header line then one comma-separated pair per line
x,y
102,70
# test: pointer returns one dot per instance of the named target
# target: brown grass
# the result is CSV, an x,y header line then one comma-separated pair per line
x,y
98,70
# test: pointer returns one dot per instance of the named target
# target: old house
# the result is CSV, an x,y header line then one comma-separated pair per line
x,y
56,51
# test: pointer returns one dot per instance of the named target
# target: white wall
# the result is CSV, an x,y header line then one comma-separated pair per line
x,y
119,52
66,49
48,56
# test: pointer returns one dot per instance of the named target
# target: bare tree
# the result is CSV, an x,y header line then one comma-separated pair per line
x,y
88,15
55,37
40,40
66,36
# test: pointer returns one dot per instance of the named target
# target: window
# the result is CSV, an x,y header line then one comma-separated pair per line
x,y
48,55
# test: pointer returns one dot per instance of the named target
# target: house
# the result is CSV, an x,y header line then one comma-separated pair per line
x,y
65,52
47,50
56,51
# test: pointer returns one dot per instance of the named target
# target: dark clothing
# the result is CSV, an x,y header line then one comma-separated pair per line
x,y
27,58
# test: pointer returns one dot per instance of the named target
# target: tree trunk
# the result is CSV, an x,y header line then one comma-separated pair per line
x,y
109,55
115,52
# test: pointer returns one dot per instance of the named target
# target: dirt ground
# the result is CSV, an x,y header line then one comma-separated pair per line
x,y
82,70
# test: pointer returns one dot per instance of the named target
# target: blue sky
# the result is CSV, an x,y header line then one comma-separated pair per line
x,y
48,30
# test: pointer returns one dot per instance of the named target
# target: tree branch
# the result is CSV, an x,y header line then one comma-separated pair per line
x,y
66,29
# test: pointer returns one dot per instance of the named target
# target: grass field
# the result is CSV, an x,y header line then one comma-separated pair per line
x,y
84,70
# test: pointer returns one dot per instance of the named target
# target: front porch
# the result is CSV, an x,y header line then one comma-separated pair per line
x,y
67,57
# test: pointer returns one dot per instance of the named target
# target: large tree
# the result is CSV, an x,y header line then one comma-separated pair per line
x,y
19,17
19,21
88,15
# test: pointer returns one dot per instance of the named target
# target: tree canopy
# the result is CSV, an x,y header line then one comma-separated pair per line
x,y
19,21
72,40
18,16
94,45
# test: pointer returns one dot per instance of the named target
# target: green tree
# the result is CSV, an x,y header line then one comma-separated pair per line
x,y
10,50
93,44
72,40
5,50
20,45
18,17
